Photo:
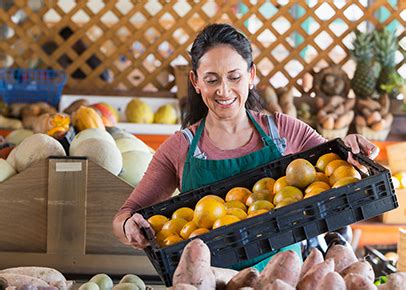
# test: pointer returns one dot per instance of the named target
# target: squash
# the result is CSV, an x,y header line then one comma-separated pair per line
x,y
85,118
96,133
101,152
6,170
135,163
17,136
36,147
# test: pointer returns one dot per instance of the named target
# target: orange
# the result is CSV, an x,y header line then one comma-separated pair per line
x,y
326,159
401,177
160,237
288,192
396,182
333,165
259,195
187,230
211,196
264,183
157,221
279,184
314,191
300,173
171,240
256,212
207,211
285,202
344,171
235,204
317,184
185,213
345,181
173,226
320,176
198,232
225,220
238,193
260,204
238,212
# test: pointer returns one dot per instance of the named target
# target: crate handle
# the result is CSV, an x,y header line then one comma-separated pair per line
x,y
147,232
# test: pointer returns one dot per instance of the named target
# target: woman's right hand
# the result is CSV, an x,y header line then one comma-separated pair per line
x,y
132,230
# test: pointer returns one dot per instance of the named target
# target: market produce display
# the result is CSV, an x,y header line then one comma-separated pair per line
x,y
104,282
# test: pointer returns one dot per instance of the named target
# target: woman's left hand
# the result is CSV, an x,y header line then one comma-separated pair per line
x,y
359,144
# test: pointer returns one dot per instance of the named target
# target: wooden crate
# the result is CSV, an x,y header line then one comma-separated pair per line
x,y
58,213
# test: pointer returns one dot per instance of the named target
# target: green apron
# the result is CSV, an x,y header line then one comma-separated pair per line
x,y
198,172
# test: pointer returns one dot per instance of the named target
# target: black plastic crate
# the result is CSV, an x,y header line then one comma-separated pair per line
x,y
375,255
253,237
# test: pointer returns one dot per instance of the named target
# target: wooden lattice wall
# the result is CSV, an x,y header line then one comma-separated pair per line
x,y
133,45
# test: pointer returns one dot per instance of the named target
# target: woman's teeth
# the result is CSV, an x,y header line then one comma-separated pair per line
x,y
226,102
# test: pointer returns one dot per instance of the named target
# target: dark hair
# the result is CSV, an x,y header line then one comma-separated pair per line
x,y
212,36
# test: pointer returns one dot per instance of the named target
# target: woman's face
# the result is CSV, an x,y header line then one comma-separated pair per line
x,y
223,80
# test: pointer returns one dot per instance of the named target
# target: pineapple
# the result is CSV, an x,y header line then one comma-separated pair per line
x,y
385,48
364,81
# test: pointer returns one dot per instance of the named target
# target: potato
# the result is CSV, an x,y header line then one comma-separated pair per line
x,y
362,268
397,281
332,280
279,285
343,256
223,276
314,276
245,278
315,257
358,282
194,266
182,286
19,280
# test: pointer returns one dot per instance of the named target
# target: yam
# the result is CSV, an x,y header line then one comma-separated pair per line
x,y
360,121
194,266
362,268
343,256
328,123
19,280
358,282
344,120
332,280
314,276
285,266
373,118
339,110
369,104
279,285
245,278
315,257
335,101
366,112
349,104
379,126
223,276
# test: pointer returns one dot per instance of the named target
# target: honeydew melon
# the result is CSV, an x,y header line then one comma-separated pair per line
x,y
135,163
6,170
17,136
131,144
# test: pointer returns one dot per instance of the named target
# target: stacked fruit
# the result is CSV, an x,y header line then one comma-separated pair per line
x,y
138,111
302,180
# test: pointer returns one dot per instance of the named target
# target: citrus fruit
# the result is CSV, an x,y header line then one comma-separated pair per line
x,y
326,159
238,212
173,226
401,176
160,237
207,211
198,232
211,196
257,212
238,193
260,204
235,204
317,184
288,192
279,184
171,240
225,220
264,183
345,181
320,176
333,165
185,213
344,171
187,230
285,202
396,182
300,173
314,191
259,195
157,221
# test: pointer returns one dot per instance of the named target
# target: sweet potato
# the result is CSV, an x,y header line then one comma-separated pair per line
x,y
360,121
194,267
332,280
245,278
343,256
379,126
344,120
328,122
369,103
358,282
19,280
279,285
284,266
362,268
349,104
388,119
373,118
315,257
314,276
223,276
182,286
397,281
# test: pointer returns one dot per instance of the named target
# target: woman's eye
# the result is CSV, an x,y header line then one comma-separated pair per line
x,y
211,81
235,78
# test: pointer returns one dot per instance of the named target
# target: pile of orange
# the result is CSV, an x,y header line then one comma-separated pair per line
x,y
302,180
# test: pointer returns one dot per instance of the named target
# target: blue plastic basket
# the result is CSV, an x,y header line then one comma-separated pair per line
x,y
19,85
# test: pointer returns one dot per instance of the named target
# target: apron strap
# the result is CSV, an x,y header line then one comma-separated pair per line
x,y
273,130
189,137
265,138
193,145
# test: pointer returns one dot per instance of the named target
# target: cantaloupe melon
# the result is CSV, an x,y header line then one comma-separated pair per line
x,y
131,144
6,170
135,163
101,152
17,136
95,133
36,147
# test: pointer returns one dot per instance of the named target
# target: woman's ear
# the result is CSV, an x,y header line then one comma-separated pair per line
x,y
193,80
253,72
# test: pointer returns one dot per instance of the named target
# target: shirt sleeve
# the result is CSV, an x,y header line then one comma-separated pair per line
x,y
161,177
299,136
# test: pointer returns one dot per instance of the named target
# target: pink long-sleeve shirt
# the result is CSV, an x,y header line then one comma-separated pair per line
x,y
164,173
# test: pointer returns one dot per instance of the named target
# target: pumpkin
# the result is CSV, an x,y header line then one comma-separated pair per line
x,y
33,148
90,133
135,163
17,136
85,118
101,152
6,170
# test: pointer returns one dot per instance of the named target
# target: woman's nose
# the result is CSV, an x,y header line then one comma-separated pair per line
x,y
222,89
